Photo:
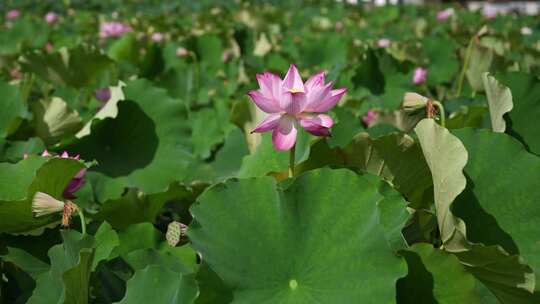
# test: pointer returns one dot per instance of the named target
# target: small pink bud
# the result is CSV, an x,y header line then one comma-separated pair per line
x,y
369,117
65,155
51,17
420,76
157,37
49,47
103,94
445,14
383,43
45,153
13,14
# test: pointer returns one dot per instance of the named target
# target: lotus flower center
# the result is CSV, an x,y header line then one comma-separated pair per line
x,y
293,284
296,90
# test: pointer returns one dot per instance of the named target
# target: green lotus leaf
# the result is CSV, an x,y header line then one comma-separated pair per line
x,y
16,150
525,90
159,284
267,160
500,205
136,207
436,276
78,67
148,122
55,120
396,158
479,63
67,279
13,108
443,65
284,246
500,102
448,179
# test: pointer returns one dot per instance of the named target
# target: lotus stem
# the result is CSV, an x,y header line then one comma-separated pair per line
x,y
291,161
442,114
465,66
83,221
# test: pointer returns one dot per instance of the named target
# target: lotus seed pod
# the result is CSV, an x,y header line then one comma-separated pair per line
x,y
175,232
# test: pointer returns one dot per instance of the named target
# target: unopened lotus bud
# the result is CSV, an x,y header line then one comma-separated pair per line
x,y
414,101
44,204
176,231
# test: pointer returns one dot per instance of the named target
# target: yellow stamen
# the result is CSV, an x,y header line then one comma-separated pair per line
x,y
296,90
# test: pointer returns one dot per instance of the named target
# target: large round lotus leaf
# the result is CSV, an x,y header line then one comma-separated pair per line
x,y
500,204
19,182
12,108
158,284
315,239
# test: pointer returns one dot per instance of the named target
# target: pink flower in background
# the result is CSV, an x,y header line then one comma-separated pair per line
x,y
339,25
383,43
445,14
15,73
291,103
48,47
76,182
181,52
51,17
13,14
113,29
489,12
526,31
226,56
103,94
420,76
157,37
369,117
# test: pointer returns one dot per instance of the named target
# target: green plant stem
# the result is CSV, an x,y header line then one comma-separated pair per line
x,y
83,221
291,161
442,114
465,66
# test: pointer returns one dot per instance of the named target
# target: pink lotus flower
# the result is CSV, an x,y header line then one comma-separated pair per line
x,y
291,103
76,182
369,117
383,43
51,17
13,14
157,37
113,29
420,76
445,14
